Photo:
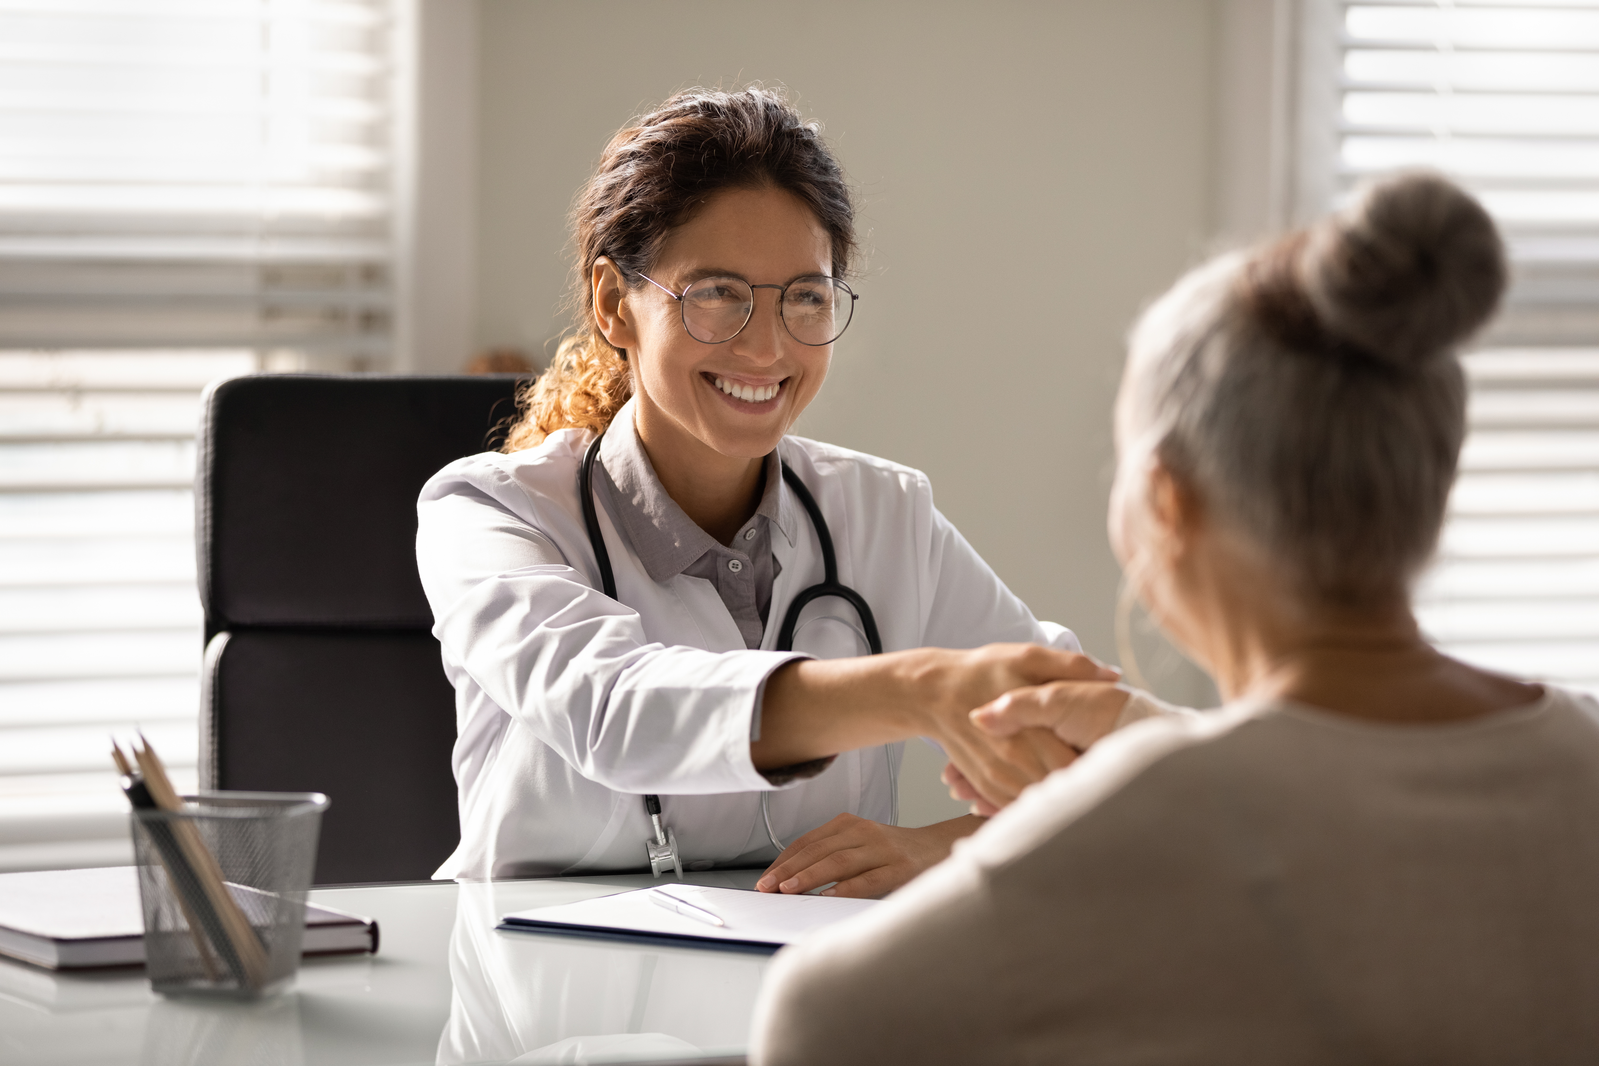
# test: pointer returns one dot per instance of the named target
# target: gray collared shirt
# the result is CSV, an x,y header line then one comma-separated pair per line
x,y
669,543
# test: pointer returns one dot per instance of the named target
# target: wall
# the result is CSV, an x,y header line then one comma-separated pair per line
x,y
437,199
1029,175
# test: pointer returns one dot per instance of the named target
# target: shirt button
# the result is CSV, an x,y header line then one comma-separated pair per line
x,y
735,565
749,534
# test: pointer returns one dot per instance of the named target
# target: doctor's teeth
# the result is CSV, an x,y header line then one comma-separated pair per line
x,y
748,393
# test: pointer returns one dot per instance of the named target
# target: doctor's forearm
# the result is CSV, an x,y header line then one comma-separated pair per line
x,y
820,707
814,708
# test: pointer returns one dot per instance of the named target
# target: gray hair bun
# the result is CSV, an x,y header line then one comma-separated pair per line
x,y
1407,272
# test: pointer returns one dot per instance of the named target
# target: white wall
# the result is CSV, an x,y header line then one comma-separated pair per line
x,y
437,198
1029,175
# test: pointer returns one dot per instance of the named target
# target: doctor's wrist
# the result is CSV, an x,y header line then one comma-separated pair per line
x,y
925,692
814,708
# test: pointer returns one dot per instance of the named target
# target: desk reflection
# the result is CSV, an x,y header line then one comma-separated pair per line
x,y
531,998
198,1032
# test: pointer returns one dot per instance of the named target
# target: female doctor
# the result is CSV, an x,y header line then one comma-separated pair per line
x,y
619,594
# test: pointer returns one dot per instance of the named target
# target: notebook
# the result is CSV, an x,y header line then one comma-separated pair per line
x,y
753,920
71,919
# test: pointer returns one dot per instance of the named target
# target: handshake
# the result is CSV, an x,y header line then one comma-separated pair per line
x,y
1005,714
1012,713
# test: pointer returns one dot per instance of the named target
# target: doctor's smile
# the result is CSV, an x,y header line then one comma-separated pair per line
x,y
749,395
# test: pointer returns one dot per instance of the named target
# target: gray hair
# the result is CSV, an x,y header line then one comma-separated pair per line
x,y
1309,392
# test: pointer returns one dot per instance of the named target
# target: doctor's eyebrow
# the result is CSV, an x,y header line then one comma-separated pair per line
x,y
689,277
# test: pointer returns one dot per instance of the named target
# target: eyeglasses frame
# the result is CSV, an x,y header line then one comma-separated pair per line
x,y
782,290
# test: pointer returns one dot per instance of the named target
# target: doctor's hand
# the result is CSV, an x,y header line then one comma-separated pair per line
x,y
961,789
867,859
1077,713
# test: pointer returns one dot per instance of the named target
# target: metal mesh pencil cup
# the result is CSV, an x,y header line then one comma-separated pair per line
x,y
223,884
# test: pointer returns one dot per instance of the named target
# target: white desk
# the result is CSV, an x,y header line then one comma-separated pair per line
x,y
445,987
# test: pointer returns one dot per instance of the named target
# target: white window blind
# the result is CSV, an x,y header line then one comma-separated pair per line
x,y
1503,96
188,190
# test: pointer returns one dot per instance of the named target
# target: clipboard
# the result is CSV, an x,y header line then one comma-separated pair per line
x,y
758,922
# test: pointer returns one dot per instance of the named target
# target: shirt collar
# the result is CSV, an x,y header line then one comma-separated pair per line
x,y
665,539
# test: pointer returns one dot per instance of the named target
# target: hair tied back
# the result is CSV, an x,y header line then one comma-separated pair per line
x,y
1411,269
1279,305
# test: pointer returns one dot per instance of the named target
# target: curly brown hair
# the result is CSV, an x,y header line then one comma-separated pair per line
x,y
655,172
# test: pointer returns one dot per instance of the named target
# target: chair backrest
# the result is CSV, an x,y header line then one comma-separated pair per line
x,y
320,670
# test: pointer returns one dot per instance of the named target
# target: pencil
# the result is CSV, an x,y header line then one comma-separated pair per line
x,y
167,852
199,876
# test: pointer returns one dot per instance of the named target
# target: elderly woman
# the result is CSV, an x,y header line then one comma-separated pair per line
x,y
1372,852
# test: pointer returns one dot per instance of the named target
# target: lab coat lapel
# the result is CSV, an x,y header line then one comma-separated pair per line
x,y
705,609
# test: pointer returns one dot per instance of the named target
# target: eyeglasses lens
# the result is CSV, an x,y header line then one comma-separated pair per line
x,y
815,309
714,309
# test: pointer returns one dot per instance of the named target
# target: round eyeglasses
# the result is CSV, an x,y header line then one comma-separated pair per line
x,y
815,309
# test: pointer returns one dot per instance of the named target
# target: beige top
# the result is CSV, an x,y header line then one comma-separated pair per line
x,y
1262,884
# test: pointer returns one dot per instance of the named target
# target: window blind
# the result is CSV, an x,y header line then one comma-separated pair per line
x,y
188,191
1504,97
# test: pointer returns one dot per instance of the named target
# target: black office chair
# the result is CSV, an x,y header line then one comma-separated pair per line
x,y
320,670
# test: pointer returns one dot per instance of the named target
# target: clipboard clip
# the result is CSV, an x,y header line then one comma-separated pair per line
x,y
663,849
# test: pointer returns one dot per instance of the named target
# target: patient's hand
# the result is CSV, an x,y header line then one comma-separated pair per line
x,y
1077,712
868,859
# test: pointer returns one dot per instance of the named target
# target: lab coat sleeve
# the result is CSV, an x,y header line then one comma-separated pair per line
x,y
572,664
965,604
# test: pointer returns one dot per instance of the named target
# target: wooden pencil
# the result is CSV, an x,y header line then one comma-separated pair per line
x,y
239,936
196,931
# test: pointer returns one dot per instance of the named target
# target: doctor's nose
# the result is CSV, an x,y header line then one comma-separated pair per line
x,y
761,339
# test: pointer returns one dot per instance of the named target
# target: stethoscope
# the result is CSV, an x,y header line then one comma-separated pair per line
x,y
663,849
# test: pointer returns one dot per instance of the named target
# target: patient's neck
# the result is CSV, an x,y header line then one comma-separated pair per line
x,y
1367,661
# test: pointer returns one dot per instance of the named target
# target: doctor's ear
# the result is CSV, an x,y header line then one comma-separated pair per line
x,y
612,315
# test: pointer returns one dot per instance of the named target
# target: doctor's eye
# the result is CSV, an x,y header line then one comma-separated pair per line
x,y
809,294
718,293
817,309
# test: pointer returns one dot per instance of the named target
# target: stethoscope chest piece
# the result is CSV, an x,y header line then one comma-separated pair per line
x,y
663,849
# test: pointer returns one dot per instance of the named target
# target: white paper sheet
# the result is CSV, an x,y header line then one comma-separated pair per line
x,y
750,917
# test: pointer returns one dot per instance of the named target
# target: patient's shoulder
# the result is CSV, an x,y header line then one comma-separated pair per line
x,y
1172,779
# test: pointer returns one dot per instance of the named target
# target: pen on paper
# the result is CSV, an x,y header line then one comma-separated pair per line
x,y
663,898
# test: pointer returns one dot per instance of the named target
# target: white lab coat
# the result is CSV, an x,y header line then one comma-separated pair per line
x,y
570,705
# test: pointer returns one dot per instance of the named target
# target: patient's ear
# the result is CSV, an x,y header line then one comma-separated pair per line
x,y
1175,509
611,312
